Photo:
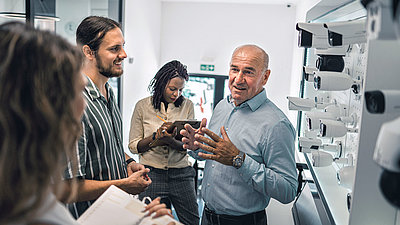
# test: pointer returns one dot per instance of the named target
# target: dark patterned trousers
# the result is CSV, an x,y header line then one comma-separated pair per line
x,y
175,186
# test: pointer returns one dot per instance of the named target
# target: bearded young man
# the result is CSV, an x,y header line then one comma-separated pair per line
x,y
101,158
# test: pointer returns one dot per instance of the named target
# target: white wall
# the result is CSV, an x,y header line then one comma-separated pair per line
x,y
142,23
208,33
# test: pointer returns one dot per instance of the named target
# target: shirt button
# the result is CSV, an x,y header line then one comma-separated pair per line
x,y
208,184
213,166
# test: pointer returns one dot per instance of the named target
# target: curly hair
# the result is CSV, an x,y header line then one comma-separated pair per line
x,y
164,75
38,129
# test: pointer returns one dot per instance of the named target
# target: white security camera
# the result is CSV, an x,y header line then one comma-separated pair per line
x,y
338,110
345,176
338,50
334,81
308,72
306,104
347,32
308,145
387,156
334,128
313,119
383,101
321,159
380,19
300,104
312,35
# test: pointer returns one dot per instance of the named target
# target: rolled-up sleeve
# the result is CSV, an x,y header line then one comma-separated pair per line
x,y
276,177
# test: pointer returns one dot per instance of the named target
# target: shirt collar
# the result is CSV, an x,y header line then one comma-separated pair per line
x,y
253,103
93,91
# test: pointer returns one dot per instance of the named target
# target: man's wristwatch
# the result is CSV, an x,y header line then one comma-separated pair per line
x,y
238,160
129,161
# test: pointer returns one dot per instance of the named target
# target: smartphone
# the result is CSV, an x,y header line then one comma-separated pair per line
x,y
179,124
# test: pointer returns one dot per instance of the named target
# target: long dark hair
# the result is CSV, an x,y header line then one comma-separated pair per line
x,y
159,82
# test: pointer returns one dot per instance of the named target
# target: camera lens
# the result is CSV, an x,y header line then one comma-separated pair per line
x,y
309,123
333,63
375,101
335,39
322,129
317,82
305,38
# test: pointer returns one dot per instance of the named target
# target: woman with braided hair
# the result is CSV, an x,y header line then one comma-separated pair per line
x,y
170,170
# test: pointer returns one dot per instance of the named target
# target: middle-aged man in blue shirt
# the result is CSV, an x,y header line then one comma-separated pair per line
x,y
250,149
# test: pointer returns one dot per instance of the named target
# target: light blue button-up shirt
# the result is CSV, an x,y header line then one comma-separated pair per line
x,y
259,129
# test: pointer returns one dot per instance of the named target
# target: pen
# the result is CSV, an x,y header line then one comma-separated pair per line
x,y
161,118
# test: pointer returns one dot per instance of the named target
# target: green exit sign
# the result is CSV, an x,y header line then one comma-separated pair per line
x,y
205,67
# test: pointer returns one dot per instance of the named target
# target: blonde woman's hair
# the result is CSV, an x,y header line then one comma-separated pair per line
x,y
38,131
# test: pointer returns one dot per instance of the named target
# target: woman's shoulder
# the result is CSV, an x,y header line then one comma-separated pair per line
x,y
144,101
187,101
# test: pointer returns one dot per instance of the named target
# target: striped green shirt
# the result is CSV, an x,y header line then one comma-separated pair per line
x,y
100,152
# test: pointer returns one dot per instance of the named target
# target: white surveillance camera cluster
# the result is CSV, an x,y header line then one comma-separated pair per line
x,y
328,35
331,42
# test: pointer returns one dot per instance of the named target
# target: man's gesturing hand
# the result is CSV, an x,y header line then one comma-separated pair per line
x,y
188,135
222,149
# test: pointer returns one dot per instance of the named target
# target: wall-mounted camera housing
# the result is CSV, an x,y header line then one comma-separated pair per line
x,y
383,101
313,119
307,144
345,176
334,81
346,32
300,104
321,159
387,156
312,35
334,128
